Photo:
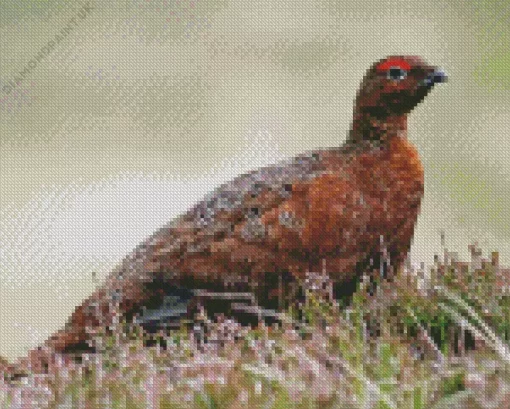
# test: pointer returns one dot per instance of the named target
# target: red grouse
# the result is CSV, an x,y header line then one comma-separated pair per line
x,y
331,209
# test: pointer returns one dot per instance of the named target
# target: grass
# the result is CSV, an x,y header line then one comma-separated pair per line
x,y
430,339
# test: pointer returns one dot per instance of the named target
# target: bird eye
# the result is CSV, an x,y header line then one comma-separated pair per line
x,y
396,73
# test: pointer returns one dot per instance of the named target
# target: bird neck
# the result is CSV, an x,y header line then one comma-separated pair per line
x,y
367,127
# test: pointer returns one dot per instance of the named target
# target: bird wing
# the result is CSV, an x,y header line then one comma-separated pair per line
x,y
276,220
232,212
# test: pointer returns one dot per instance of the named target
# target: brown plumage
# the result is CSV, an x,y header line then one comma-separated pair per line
x,y
331,209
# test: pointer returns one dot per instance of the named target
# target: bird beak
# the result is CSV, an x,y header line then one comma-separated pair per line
x,y
439,76
435,77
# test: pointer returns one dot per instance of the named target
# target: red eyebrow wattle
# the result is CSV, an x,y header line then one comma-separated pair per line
x,y
397,62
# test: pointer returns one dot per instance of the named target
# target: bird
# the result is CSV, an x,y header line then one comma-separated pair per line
x,y
336,209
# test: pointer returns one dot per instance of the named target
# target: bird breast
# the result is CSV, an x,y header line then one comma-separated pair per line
x,y
392,179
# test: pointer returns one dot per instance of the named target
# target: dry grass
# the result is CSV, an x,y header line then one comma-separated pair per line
x,y
437,339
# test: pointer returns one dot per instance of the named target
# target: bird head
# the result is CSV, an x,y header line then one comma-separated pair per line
x,y
394,85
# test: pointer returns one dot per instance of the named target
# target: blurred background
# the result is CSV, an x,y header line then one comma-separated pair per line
x,y
116,117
